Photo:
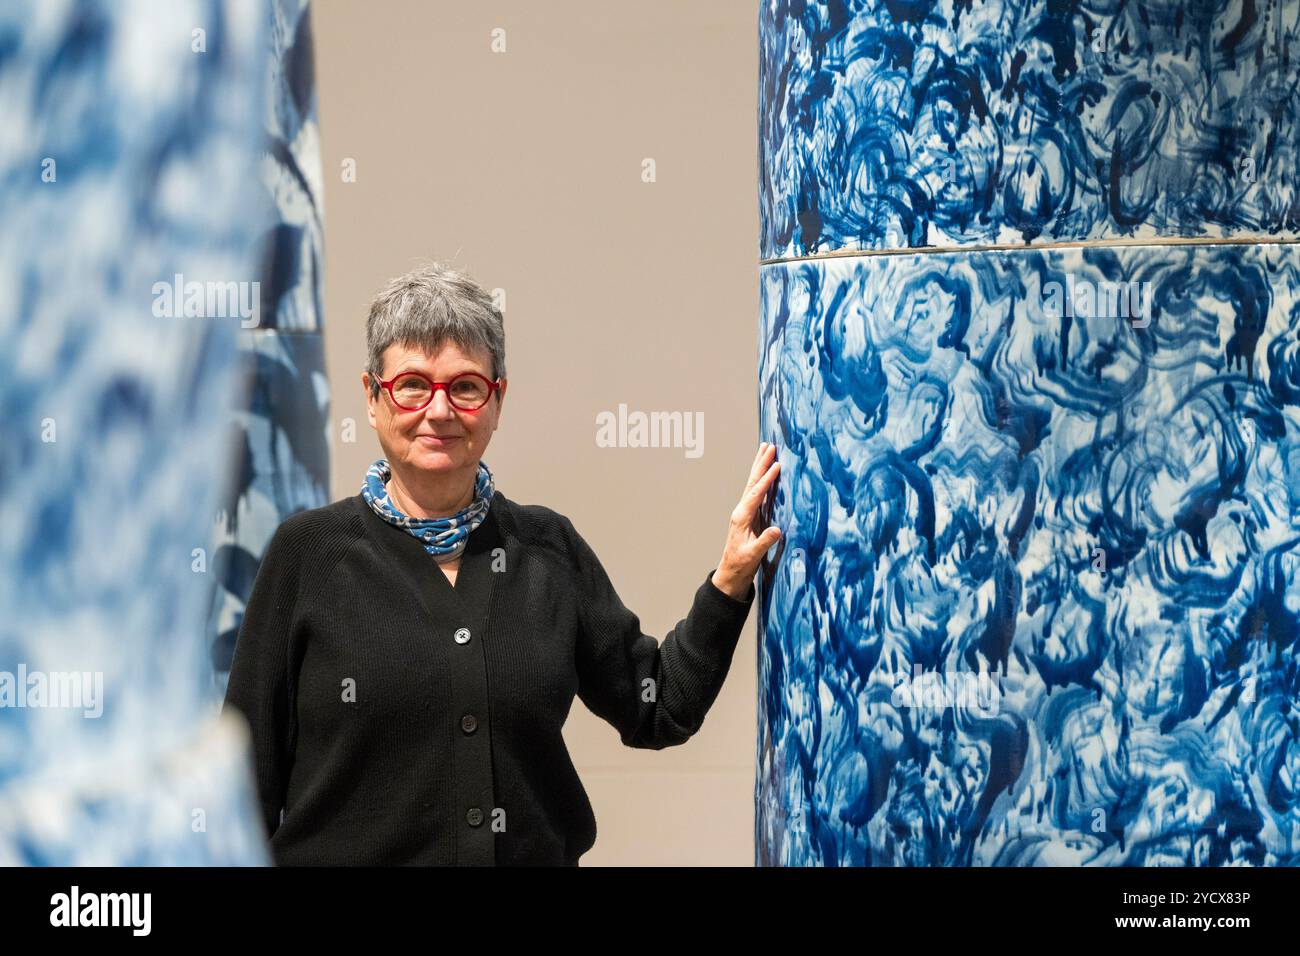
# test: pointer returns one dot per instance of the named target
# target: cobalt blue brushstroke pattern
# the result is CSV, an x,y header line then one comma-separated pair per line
x,y
280,435
113,408
292,237
911,123
278,463
1099,513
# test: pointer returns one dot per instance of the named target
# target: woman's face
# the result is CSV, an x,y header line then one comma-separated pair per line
x,y
411,438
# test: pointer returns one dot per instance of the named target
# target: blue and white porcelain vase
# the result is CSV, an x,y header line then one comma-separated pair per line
x,y
1030,349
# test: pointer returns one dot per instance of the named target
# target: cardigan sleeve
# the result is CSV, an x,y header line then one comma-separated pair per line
x,y
655,695
259,685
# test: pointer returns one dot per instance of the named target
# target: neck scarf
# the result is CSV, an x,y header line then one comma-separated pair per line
x,y
444,538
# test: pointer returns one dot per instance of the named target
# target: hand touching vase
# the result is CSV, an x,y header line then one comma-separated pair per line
x,y
748,536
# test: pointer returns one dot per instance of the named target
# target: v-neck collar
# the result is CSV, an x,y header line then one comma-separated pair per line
x,y
472,592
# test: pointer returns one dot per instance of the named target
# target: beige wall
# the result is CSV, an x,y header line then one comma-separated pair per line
x,y
524,168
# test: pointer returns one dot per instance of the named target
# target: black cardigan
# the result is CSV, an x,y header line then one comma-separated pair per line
x,y
397,719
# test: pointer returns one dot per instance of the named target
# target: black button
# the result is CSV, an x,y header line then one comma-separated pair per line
x,y
474,816
469,723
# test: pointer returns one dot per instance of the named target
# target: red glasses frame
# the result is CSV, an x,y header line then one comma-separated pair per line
x,y
493,387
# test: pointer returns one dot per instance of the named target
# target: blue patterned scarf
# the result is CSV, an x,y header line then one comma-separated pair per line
x,y
444,538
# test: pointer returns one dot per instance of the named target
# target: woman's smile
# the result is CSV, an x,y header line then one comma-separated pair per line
x,y
438,442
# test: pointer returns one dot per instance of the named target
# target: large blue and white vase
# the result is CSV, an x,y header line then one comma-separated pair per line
x,y
1030,348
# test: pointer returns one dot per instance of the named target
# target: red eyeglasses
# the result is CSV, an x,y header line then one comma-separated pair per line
x,y
468,391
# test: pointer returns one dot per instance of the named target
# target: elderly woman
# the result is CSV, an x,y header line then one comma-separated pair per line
x,y
409,655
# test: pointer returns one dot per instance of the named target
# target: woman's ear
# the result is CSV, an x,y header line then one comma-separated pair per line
x,y
501,398
370,398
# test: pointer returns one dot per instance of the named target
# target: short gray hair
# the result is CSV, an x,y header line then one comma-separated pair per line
x,y
426,308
